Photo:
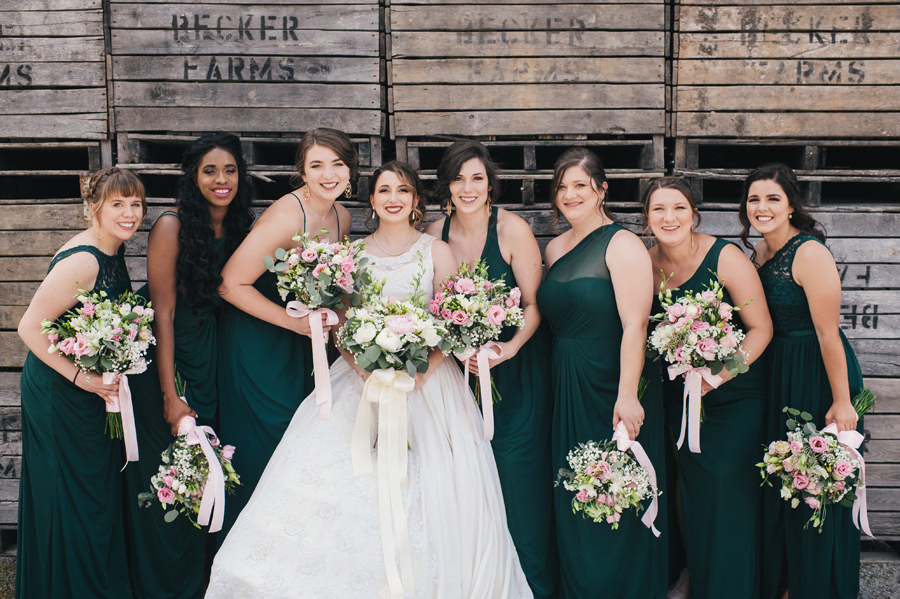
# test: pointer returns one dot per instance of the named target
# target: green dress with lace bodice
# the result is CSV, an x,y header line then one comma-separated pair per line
x,y
578,300
521,440
819,565
71,541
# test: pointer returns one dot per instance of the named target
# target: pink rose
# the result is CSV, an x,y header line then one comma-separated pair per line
x,y
317,270
843,469
434,307
309,255
515,294
818,444
132,335
604,470
699,325
675,312
727,329
81,346
796,446
614,518
679,354
228,452
165,495
813,502
488,285
801,481
707,296
780,447
117,331
88,309
582,496
789,465
53,337
839,485
464,285
707,348
345,282
67,346
439,297
771,468
347,266
446,314
728,341
401,324
496,315
610,500
148,313
459,317
725,311
293,260
168,480
601,498
813,488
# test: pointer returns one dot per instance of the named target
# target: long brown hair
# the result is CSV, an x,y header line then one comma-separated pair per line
x,y
591,164
336,141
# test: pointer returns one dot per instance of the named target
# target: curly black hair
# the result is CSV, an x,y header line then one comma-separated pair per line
x,y
198,277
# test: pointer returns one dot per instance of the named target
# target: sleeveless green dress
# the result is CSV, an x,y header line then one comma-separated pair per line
x,y
521,440
721,500
167,558
70,536
265,371
819,565
578,301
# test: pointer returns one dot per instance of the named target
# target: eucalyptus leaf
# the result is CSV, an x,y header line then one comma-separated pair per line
x,y
793,411
791,424
269,263
90,361
411,369
383,362
280,253
372,353
715,367
847,502
324,279
363,362
106,363
170,515
806,416
809,429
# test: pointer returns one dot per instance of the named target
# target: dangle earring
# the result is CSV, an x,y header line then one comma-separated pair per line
x,y
306,192
349,191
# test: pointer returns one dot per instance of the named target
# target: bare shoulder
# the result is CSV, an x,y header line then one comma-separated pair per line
x,y
441,249
284,210
436,228
762,252
556,248
732,255
624,241
512,225
167,225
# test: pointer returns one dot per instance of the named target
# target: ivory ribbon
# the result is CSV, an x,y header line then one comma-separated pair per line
x,y
121,403
488,351
852,440
215,481
320,358
624,442
388,389
693,379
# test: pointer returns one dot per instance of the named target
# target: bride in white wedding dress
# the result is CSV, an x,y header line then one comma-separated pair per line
x,y
312,528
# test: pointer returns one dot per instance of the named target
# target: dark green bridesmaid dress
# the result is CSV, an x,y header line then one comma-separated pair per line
x,y
578,301
71,541
167,558
721,500
819,565
521,440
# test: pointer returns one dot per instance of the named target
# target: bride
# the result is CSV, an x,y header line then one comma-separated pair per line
x,y
312,529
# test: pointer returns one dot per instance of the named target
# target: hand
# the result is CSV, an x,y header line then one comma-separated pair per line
x,y
629,411
843,415
509,350
301,325
421,377
174,411
92,382
706,387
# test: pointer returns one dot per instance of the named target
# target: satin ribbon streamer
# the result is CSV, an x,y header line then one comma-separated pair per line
x,y
388,389
693,379
214,491
624,442
488,351
852,440
121,403
320,358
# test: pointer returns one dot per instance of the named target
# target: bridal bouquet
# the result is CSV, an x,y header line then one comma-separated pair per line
x,y
106,336
819,468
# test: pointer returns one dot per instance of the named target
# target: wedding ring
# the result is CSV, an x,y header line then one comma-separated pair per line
x,y
641,423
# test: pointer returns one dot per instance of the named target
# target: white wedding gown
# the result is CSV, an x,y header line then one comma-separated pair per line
x,y
312,529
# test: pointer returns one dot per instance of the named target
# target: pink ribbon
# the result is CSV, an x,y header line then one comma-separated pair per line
x,y
320,358
215,481
624,442
693,379
121,403
852,440
488,351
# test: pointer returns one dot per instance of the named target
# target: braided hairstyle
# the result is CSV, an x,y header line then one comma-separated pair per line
x,y
197,275
101,185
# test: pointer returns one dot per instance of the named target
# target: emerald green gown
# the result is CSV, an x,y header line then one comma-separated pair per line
x,y
521,440
721,500
578,301
167,558
71,541
819,565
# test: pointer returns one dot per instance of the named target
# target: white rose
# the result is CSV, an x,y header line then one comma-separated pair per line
x,y
430,335
365,333
388,341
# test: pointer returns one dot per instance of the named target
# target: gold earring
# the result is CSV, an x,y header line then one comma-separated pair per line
x,y
790,216
349,191
306,192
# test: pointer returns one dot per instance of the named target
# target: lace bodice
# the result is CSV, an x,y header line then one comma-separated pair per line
x,y
112,277
400,272
786,299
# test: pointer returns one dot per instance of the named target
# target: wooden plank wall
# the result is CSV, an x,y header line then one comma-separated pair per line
x,y
52,70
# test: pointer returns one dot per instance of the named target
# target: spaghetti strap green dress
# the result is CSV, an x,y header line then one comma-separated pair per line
x,y
721,500
265,371
819,565
521,440
578,301
71,541
167,558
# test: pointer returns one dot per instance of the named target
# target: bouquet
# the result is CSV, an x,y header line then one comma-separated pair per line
x,y
819,468
192,465
695,335
108,337
320,274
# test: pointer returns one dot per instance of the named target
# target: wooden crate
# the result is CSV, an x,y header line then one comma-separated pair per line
x,y
52,70
786,69
265,68
516,68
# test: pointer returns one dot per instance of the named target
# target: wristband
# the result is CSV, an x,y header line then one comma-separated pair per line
x,y
77,372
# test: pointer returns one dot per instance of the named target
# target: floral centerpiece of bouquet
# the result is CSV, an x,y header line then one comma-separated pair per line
x,y
696,337
820,468
320,274
110,337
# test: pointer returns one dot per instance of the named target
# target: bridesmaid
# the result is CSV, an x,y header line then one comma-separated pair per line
x,y
70,491
813,368
187,249
467,186
596,297
721,498
265,357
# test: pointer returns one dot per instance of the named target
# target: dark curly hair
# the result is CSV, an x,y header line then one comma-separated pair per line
x,y
198,277
452,162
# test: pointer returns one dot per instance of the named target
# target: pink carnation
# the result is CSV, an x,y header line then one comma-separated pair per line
x,y
67,346
796,446
165,495
843,469
459,317
679,354
464,285
488,285
293,259
496,315
727,329
780,447
53,337
614,518
839,485
439,297
81,346
818,444
169,480
347,266
89,309
708,295
728,341
345,282
515,295
604,470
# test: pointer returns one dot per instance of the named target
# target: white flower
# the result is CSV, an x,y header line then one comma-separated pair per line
x,y
365,333
430,335
388,340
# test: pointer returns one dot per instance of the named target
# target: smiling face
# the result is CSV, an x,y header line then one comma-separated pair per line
x,y
217,177
768,207
325,174
577,197
117,217
470,188
392,198
670,216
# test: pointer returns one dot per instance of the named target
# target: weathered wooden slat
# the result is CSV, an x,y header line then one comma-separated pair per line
x,y
883,500
845,45
798,71
373,2
526,43
837,224
887,452
527,96
9,489
266,68
27,268
12,350
47,243
57,74
882,475
28,50
10,466
311,43
9,388
274,120
430,2
768,2
73,126
9,512
52,101
11,441
214,21
887,395
51,23
823,98
529,70
802,124
525,17
36,5
884,427
878,357
822,18
247,95
887,300
10,420
16,294
10,317
52,216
